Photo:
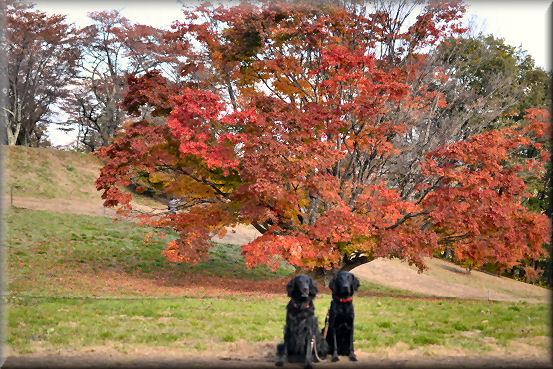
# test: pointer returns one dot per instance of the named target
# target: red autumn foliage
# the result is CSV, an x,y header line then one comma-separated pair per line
x,y
531,274
152,89
297,124
477,204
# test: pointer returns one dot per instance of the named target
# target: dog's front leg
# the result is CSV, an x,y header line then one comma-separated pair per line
x,y
332,332
308,351
281,353
282,350
335,344
352,356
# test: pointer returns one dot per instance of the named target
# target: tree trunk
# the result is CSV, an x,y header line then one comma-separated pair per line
x,y
13,135
323,276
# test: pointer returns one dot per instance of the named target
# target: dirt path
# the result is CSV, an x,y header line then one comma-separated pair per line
x,y
447,279
72,206
204,362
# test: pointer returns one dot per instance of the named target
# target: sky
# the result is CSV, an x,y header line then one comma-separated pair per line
x,y
520,23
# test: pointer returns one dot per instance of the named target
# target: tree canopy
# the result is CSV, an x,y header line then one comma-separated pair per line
x,y
339,132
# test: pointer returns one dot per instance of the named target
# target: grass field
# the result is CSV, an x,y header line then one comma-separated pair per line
x,y
45,247
195,324
53,255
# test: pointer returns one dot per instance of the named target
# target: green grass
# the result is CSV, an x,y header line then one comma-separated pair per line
x,y
175,323
44,245
449,323
41,245
225,260
200,322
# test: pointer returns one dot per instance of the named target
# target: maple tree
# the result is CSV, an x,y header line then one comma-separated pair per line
x,y
493,86
317,124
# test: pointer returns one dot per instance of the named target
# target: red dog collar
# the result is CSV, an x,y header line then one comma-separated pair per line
x,y
307,306
343,300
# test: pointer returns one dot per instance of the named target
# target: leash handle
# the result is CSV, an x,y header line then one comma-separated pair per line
x,y
326,323
314,346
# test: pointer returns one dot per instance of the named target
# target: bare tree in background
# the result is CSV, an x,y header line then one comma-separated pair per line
x,y
42,53
114,48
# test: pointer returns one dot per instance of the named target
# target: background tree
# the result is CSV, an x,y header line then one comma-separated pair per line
x,y
492,85
340,135
94,104
42,53
114,48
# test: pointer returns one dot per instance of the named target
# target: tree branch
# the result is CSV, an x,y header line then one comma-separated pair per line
x,y
451,239
405,218
260,228
202,180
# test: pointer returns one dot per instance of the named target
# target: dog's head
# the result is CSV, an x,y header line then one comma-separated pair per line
x,y
302,287
344,284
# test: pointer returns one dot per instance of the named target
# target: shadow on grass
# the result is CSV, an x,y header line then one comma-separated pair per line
x,y
47,250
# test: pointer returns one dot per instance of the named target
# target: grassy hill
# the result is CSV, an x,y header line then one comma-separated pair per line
x,y
41,173
46,173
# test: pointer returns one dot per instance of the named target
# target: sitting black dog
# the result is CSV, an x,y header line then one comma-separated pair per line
x,y
302,337
339,335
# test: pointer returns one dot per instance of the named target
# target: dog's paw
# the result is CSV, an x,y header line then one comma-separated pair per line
x,y
279,363
335,359
308,366
352,357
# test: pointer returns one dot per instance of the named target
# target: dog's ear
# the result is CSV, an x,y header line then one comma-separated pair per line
x,y
355,282
313,289
290,286
331,284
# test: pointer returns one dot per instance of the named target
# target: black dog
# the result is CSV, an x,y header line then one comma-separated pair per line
x,y
341,315
302,337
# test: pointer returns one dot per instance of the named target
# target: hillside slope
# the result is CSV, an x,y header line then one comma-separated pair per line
x,y
447,279
61,181
46,173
